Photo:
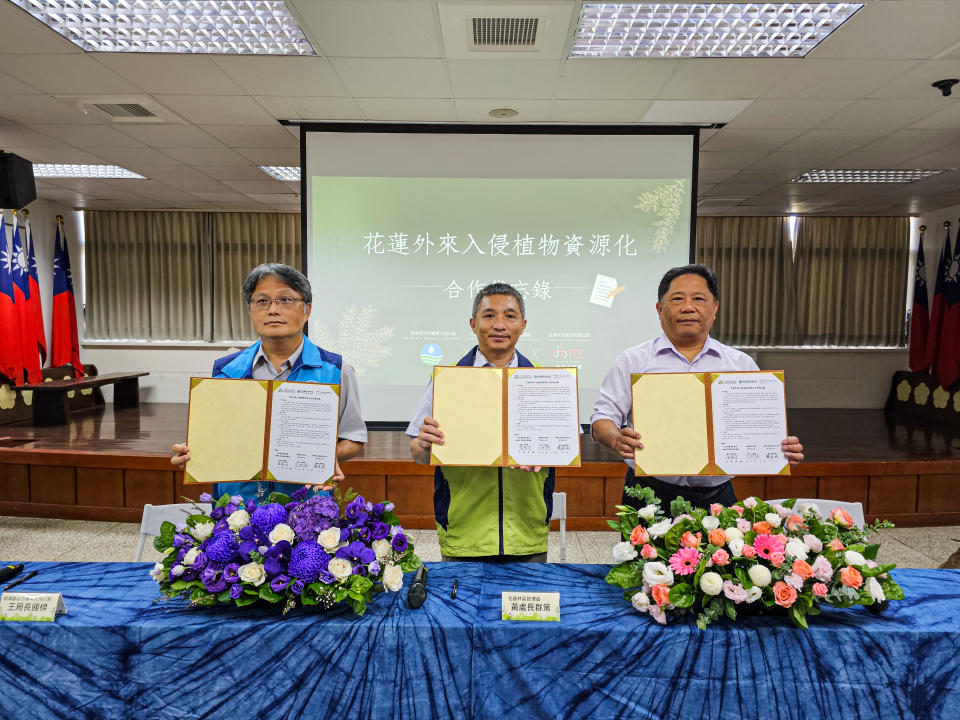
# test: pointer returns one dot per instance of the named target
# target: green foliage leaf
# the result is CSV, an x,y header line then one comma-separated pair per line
x,y
796,614
358,605
340,593
245,600
891,589
360,584
672,539
743,577
682,595
269,595
202,597
223,501
390,518
278,497
645,495
870,552
626,575
878,570
198,518
702,621
224,596
409,561
615,524
679,506
730,608
789,503
165,539
308,596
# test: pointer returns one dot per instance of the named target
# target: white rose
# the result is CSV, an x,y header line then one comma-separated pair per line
x,y
773,519
202,530
330,539
647,512
238,519
660,529
736,546
797,549
753,594
854,558
759,575
710,523
280,532
392,578
657,573
733,534
340,568
875,589
624,551
190,556
640,602
253,573
711,583
380,547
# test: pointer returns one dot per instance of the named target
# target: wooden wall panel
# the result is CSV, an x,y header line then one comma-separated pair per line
x,y
584,495
148,486
53,485
782,487
372,487
938,493
849,488
100,487
612,494
15,483
412,494
892,494
754,485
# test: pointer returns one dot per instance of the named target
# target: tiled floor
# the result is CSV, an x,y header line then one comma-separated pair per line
x,y
39,539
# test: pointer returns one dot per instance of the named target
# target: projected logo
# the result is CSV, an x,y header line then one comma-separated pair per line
x,y
431,354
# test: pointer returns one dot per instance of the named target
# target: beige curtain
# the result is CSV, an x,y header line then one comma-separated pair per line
x,y
145,275
241,241
852,280
752,258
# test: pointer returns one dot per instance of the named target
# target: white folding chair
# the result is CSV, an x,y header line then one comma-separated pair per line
x,y
855,509
155,515
560,513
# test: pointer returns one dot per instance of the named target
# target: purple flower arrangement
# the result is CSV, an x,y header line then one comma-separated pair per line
x,y
318,550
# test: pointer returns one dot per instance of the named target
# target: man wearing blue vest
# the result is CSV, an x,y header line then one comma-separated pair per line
x,y
486,513
279,298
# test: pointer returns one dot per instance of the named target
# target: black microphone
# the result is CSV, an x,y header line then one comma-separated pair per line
x,y
417,593
9,571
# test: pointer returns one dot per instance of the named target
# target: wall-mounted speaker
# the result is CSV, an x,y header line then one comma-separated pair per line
x,y
17,188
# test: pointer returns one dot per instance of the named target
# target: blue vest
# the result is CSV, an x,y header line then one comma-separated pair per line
x,y
314,365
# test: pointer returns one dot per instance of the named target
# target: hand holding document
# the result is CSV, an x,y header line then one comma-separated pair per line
x,y
241,430
506,416
710,423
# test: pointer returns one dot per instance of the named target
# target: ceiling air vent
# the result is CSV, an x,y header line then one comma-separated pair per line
x,y
508,34
125,110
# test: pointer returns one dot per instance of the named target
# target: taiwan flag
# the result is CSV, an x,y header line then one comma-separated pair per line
x,y
64,343
936,313
11,366
36,308
948,354
29,354
919,315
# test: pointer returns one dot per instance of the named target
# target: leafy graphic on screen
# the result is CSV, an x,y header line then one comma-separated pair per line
x,y
360,344
666,201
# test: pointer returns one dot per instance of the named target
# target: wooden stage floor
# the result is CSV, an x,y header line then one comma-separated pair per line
x,y
108,462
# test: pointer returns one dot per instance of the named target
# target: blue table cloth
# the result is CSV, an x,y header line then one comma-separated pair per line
x,y
122,653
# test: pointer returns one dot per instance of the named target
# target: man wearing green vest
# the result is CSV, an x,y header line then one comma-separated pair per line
x,y
487,513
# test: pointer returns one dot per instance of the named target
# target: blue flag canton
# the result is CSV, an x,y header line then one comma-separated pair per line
x,y
20,269
6,264
920,280
951,276
62,282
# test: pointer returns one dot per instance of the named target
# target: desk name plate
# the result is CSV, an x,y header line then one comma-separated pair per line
x,y
42,607
530,606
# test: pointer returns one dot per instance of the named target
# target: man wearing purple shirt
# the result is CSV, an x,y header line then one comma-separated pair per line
x,y
688,303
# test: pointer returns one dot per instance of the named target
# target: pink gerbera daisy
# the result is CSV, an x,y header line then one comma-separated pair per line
x,y
685,561
766,545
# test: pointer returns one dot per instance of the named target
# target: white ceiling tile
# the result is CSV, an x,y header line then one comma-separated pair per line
x,y
207,185
917,81
945,119
725,78
222,110
372,28
836,79
728,160
310,108
712,177
160,135
915,141
256,186
63,195
288,201
44,109
262,136
915,29
57,74
694,111
21,33
198,157
529,111
67,155
731,139
134,158
598,111
12,86
889,114
486,78
947,156
272,156
408,109
169,74
374,77
800,114
295,75
177,175
778,159
19,136
234,172
88,135
613,79
832,140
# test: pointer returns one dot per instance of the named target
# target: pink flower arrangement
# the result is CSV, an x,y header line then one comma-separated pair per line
x,y
648,551
749,552
720,557
783,594
819,589
717,537
851,577
766,544
842,518
639,535
688,539
716,509
685,561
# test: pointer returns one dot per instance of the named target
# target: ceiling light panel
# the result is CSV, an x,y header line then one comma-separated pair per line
x,y
226,27
709,30
864,176
51,170
280,172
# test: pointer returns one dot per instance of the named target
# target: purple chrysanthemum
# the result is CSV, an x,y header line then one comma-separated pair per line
x,y
267,517
222,548
308,560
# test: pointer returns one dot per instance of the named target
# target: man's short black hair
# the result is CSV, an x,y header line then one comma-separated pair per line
x,y
499,288
284,273
702,270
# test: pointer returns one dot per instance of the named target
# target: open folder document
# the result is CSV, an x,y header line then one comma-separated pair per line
x,y
506,416
241,430
726,423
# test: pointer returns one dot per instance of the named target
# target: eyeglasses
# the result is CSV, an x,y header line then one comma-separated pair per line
x,y
285,302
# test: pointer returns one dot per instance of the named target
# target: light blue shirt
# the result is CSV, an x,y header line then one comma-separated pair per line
x,y
615,400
